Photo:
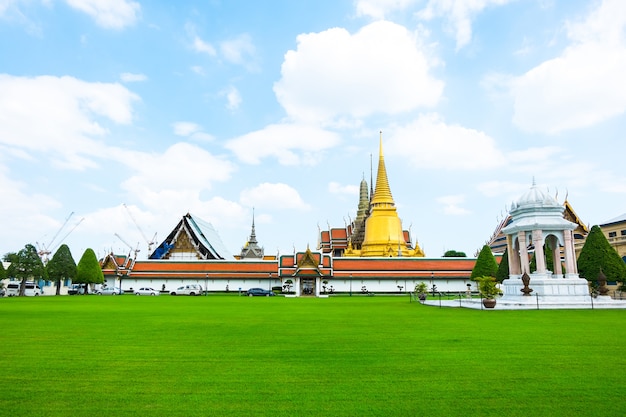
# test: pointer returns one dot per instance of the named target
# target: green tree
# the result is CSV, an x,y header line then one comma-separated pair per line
x,y
3,275
503,268
486,265
88,270
61,266
26,264
598,253
454,254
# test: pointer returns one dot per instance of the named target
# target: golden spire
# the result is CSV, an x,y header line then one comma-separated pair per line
x,y
383,228
382,194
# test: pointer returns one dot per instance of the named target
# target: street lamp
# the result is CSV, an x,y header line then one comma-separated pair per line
x,y
270,282
206,285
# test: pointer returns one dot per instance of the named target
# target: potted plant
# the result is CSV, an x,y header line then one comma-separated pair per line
x,y
421,290
488,290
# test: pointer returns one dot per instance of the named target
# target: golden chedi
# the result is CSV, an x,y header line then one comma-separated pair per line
x,y
383,228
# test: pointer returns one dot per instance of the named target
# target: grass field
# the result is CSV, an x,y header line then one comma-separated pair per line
x,y
344,356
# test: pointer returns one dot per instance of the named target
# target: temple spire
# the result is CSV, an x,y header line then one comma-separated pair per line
x,y
253,233
382,193
383,228
252,249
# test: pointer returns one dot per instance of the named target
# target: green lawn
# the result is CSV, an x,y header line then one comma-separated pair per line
x,y
343,356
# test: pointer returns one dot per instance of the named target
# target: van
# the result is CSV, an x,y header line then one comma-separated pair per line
x,y
191,289
31,289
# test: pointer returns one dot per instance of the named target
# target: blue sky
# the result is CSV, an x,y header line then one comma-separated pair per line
x,y
130,113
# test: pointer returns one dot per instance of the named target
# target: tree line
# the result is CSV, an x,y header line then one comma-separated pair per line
x,y
26,265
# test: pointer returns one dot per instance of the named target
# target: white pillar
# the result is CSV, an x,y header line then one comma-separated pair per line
x,y
570,258
523,252
556,256
540,257
513,256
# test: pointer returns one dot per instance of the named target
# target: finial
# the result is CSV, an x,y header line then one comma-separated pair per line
x,y
534,182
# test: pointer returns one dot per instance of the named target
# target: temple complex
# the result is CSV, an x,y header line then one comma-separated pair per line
x,y
371,254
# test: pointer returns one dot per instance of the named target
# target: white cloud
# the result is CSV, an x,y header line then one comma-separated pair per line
x,y
129,77
584,85
171,169
458,15
380,69
378,9
191,130
233,98
197,69
274,196
336,188
110,14
25,210
452,204
430,143
60,116
185,128
239,50
201,46
290,144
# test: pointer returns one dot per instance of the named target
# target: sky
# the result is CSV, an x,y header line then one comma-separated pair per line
x,y
118,117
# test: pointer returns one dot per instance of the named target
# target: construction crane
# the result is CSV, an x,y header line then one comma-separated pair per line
x,y
150,242
136,250
45,250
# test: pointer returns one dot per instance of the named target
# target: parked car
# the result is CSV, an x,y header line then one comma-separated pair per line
x,y
259,292
110,291
30,289
78,289
190,289
146,291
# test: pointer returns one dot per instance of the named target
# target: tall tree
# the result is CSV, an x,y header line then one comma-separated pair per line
x,y
26,264
61,266
486,265
598,253
88,270
503,268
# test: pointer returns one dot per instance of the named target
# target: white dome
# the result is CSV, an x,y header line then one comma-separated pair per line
x,y
535,196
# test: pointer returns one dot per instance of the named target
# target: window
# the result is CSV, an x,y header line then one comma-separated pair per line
x,y
612,234
623,233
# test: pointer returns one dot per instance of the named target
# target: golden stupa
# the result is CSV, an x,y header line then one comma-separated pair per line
x,y
383,227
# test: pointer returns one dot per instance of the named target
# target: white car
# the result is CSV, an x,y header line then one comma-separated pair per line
x,y
190,289
110,291
146,291
30,289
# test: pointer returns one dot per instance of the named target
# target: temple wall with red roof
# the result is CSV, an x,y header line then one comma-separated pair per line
x,y
378,274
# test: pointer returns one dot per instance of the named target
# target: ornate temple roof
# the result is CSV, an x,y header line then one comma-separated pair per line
x,y
537,210
251,249
192,237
